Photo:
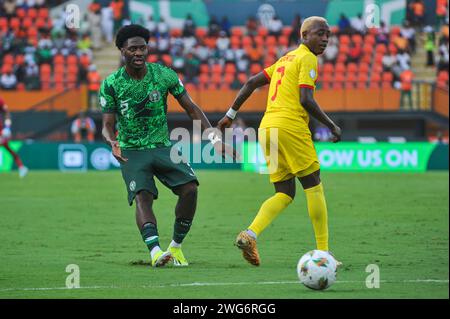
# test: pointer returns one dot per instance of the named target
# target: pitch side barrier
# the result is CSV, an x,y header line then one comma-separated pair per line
x,y
340,157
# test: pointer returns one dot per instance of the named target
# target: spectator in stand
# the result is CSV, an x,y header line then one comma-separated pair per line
x,y
406,78
344,25
401,43
294,36
222,43
84,45
151,25
238,81
164,44
107,23
332,50
189,43
163,28
389,61
430,46
8,81
202,52
83,125
226,25
44,51
255,53
191,68
355,53
275,26
94,19
382,36
251,26
9,8
213,27
418,13
443,62
31,80
189,26
441,12
404,60
117,8
242,63
94,82
358,24
409,33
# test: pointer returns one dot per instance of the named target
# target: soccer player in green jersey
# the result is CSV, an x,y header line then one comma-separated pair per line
x,y
136,95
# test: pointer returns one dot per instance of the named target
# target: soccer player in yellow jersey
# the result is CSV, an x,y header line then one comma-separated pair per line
x,y
290,101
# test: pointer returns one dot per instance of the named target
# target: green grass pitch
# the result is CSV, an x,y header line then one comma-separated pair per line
x,y
51,219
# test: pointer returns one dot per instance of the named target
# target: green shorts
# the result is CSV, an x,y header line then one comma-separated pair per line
x,y
142,165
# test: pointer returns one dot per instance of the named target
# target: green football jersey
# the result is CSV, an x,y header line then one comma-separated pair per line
x,y
141,105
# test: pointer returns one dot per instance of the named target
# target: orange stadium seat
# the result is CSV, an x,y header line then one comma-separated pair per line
x,y
361,85
381,48
237,31
201,32
14,23
190,87
228,78
370,39
328,68
21,13
374,85
40,23
72,59
204,68
8,59
19,59
367,58
262,31
344,40
167,59
43,13
363,77
58,59
443,76
259,40
357,39
59,69
203,78
216,78
352,68
152,58
283,41
286,31
235,41
338,85
344,49
242,77
339,77
341,58
246,41
230,68
255,68
217,68
271,40
27,22
375,77
3,23
176,32
387,77
340,68
7,68
32,13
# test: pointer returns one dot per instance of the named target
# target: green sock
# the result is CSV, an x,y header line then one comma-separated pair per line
x,y
149,234
180,229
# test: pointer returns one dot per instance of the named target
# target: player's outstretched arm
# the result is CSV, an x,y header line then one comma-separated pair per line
x,y
109,121
251,85
311,106
196,113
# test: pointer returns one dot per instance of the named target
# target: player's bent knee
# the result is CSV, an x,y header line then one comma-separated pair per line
x,y
144,197
187,190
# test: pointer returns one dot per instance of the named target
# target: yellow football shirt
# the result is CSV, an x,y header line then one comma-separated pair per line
x,y
298,68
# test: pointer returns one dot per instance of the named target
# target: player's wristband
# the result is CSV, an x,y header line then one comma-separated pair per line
x,y
213,138
8,123
231,113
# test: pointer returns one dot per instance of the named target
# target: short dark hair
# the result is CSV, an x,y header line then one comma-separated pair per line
x,y
131,31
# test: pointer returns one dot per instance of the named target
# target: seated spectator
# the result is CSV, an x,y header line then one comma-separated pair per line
x,y
404,60
275,26
443,59
213,27
401,43
189,43
344,24
31,80
83,125
202,52
9,8
151,25
354,54
223,42
389,61
418,13
382,36
189,26
44,51
8,81
226,25
409,33
252,26
332,50
358,24
294,36
191,68
163,28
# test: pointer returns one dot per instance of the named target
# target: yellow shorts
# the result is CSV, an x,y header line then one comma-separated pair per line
x,y
288,154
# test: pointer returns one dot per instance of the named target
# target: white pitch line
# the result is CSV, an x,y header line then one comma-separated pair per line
x,y
204,284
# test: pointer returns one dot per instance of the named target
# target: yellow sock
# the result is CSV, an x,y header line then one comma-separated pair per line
x,y
269,210
317,209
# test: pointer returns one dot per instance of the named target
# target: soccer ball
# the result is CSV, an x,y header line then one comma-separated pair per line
x,y
317,269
